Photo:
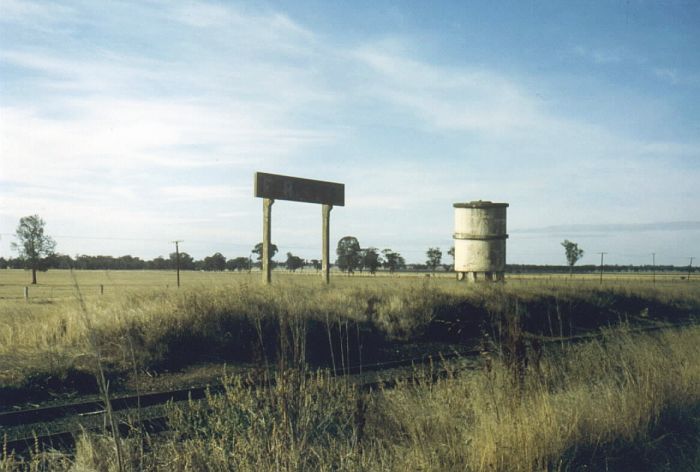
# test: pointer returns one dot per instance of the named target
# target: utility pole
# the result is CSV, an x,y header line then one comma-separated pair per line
x,y
690,267
602,254
653,267
177,257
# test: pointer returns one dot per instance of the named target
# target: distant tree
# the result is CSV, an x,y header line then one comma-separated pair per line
x,y
370,259
186,261
316,264
294,262
215,262
239,264
33,246
573,254
159,263
393,261
451,253
257,250
15,263
62,261
434,255
348,252
4,263
135,263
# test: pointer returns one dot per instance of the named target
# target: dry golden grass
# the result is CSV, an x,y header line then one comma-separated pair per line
x,y
626,402
217,311
592,402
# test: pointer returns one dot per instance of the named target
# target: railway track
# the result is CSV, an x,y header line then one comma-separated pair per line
x,y
65,439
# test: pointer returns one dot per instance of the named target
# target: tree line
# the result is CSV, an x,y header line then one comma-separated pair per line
x,y
36,251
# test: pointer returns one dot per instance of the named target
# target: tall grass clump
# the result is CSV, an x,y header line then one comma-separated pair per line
x,y
300,423
623,403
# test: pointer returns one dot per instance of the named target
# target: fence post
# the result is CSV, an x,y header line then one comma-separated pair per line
x,y
102,289
26,293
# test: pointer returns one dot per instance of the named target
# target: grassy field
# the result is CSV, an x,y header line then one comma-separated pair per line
x,y
224,315
55,284
531,408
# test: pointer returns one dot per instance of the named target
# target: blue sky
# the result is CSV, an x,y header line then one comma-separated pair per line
x,y
127,125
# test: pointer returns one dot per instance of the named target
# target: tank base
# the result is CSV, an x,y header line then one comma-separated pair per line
x,y
481,276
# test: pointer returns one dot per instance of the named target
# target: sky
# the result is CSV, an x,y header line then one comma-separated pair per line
x,y
128,125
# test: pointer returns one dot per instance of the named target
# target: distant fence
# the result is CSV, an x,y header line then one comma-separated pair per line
x,y
54,292
65,291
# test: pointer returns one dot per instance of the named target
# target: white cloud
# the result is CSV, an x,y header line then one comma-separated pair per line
x,y
669,75
111,135
459,99
676,77
202,192
604,56
31,11
251,31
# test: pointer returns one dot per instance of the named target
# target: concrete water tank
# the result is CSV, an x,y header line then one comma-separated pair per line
x,y
480,240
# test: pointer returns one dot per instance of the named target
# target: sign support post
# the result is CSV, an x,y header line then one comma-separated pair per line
x,y
325,252
267,238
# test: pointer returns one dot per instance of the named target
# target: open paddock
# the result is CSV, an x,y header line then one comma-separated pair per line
x,y
60,284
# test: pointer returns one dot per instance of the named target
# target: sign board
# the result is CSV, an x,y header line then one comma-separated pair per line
x,y
283,187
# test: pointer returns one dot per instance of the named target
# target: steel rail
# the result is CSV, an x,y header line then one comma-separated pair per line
x,y
55,412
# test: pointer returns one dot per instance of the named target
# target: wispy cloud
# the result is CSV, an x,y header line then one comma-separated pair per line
x,y
600,56
669,75
475,99
192,193
19,11
613,228
262,28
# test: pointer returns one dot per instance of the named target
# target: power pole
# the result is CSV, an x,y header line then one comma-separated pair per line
x,y
177,257
602,254
690,265
653,267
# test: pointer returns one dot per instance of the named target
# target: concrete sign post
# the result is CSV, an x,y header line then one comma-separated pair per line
x,y
281,187
325,244
267,240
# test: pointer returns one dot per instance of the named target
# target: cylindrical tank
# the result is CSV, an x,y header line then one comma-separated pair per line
x,y
480,240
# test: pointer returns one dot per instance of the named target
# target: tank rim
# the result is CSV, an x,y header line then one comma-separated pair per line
x,y
480,204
